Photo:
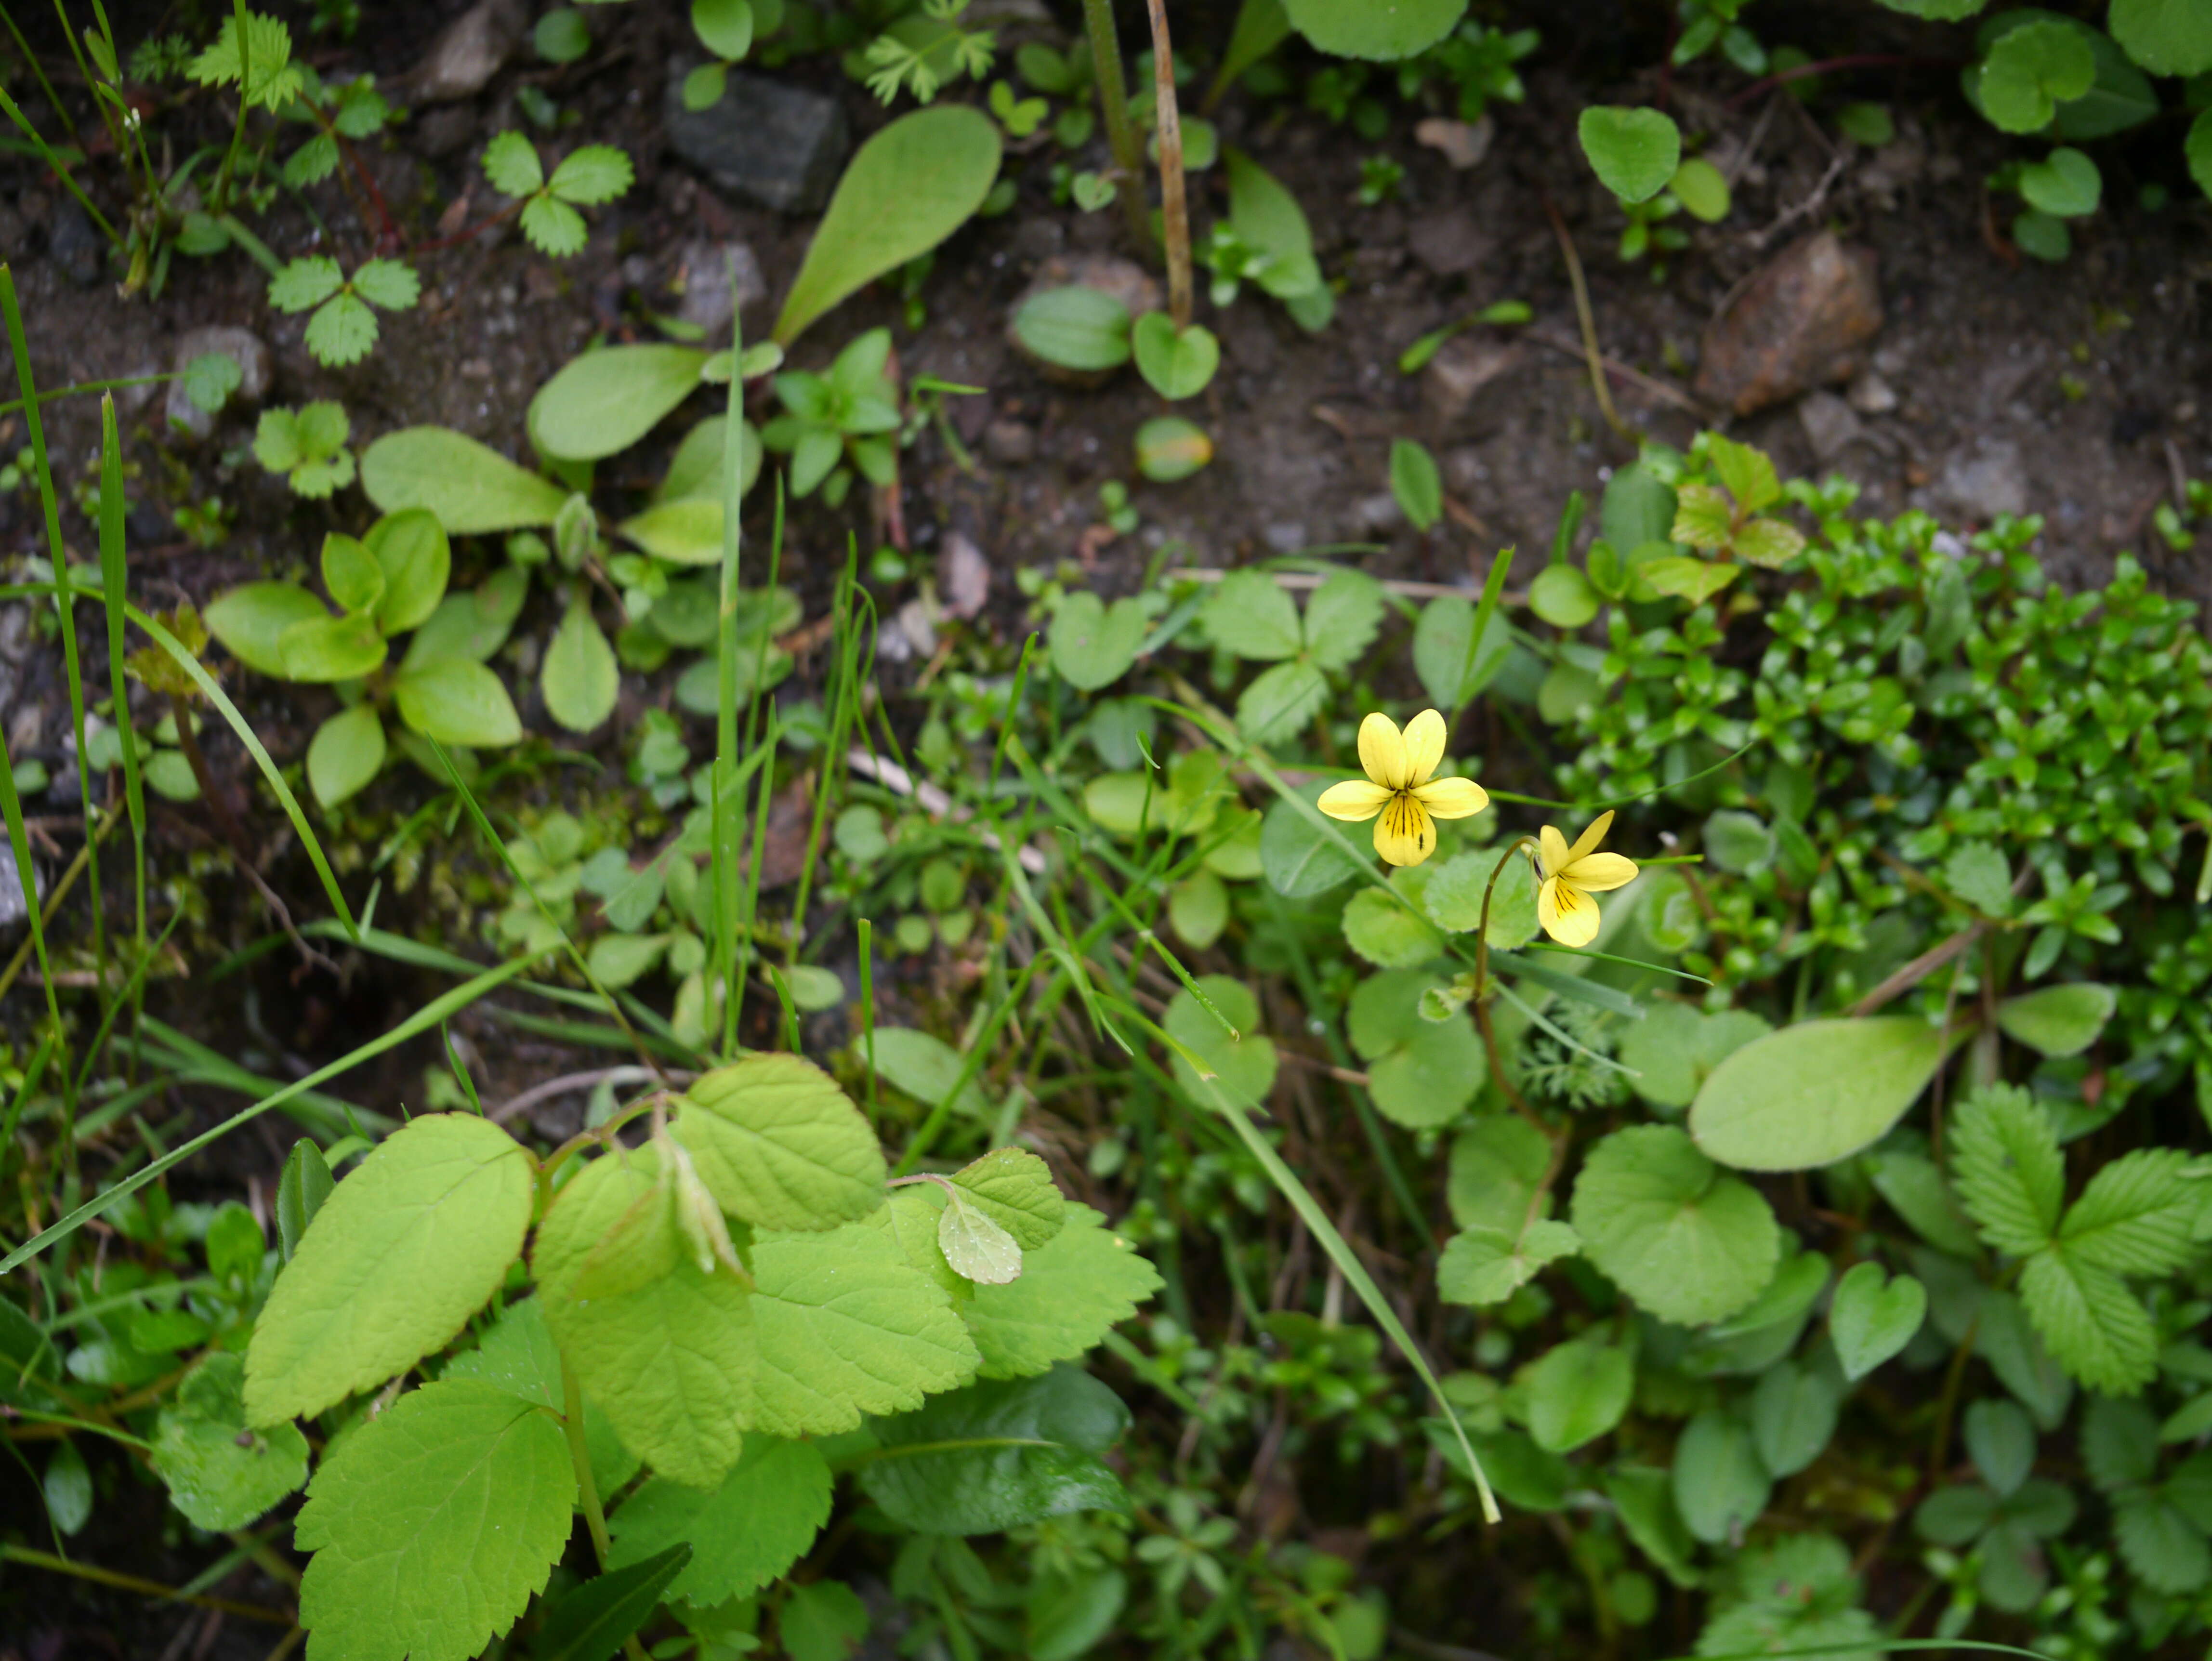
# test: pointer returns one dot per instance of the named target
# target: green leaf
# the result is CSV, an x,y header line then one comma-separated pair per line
x,y
2136,1215
1634,152
67,1489
1576,1392
1422,1073
473,625
1644,1499
1198,908
1174,365
1873,1317
250,621
1250,613
743,1535
668,1352
1793,1415
605,401
2092,1325
591,175
2058,1020
580,679
1281,701
2039,234
925,1067
1074,1289
510,162
590,1622
1665,1225
2006,1164
1748,473
1000,1455
621,960
685,532
1675,1049
472,487
1978,873
328,648
2032,69
1015,1190
1703,517
696,469
779,1145
2119,1442
907,189
276,80
725,28
1561,596
554,229
1360,28
1077,327
405,1249
2198,149
1815,1092
1450,672
977,1248
416,560
351,574
1496,1165
847,1326
1999,1438
1416,484
221,1474
1701,188
1298,858
1637,507
2166,36
342,331
1342,617
1392,933
1720,1486
456,701
210,379
1094,644
433,1525
301,1188
1768,542
348,752
304,284
1268,218
1169,448
2164,1548
388,284
2065,184
822,1620
1454,894
1489,1265
517,1354
1243,1066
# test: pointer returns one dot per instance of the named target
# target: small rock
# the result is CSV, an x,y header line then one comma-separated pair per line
x,y
13,910
1287,537
891,644
1464,470
1449,242
73,245
1375,515
768,140
1462,144
472,49
1829,423
963,576
706,271
1978,485
914,622
1126,281
1010,442
1462,367
1871,395
187,422
1799,324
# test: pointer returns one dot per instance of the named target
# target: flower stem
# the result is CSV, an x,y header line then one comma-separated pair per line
x,y
1482,989
1114,108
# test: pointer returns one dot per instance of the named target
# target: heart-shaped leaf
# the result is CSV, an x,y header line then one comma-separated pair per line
x,y
1873,1317
1634,152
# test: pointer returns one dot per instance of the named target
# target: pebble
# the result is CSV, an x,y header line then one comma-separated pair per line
x,y
707,268
1462,144
1376,514
189,423
963,576
1871,395
1287,537
1449,242
1462,367
1800,324
471,50
771,142
1829,425
1976,485
915,622
1010,442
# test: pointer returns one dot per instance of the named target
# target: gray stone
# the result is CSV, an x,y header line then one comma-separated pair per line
x,y
75,246
1010,442
1449,242
1829,425
1287,537
1377,514
1871,395
1978,485
963,576
1462,367
914,622
707,269
187,422
767,141
471,50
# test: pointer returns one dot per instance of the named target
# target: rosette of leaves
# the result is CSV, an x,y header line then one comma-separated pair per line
x,y
343,328
1724,519
849,413
308,445
1252,616
387,583
587,178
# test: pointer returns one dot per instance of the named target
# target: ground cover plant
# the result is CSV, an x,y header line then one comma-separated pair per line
x,y
613,1040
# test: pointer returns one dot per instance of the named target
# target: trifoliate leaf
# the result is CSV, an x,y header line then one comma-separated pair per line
x,y
1664,1224
2167,1552
304,284
510,162
2136,1215
846,1325
780,1144
1074,1289
554,229
342,332
405,1249
2006,1165
388,284
593,174
977,1248
275,79
433,1525
2092,1326
221,1474
1015,1190
743,1534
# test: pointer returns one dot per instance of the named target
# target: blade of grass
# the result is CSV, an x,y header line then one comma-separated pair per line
x,y
728,815
111,589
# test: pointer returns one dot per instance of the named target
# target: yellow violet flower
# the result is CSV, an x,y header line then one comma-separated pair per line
x,y
1571,875
1399,788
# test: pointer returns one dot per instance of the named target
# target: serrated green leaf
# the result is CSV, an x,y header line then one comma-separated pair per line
x,y
743,1534
1341,619
974,1245
2136,1215
1250,613
303,284
510,162
594,175
1015,1188
388,284
554,229
2007,1168
434,1524
2166,1551
1074,1289
415,1239
517,1354
2092,1325
780,1144
1665,1225
221,1474
342,331
267,59
1483,1265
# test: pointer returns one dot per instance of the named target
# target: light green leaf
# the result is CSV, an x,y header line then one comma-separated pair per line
x,y
696,469
1342,617
1416,484
2064,184
1250,613
1077,327
2136,1215
412,551
472,487
351,574
518,1356
1720,1486
1393,933
974,1245
1576,1392
2058,1020
1793,1415
1176,366
1450,672
605,401
347,752
1489,1265
1664,1224
822,1621
1198,908
621,960
1282,699
2006,1164
1168,448
1702,188
433,1525
592,174
925,1067
687,531
457,700
906,190
847,1326
342,331
1675,1049
472,625
1364,29
1455,897
2093,1327
1422,1073
743,1534
250,621
1496,1165
2032,69
1634,152
2166,36
1073,1290
510,162
1094,644
1297,856
1243,1067
1873,1317
1014,1188
553,228
580,679
1563,597
725,28
779,1145
326,648
388,284
1000,1455
221,1474
406,1248
1815,1092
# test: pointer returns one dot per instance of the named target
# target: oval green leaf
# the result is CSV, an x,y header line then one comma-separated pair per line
x,y
456,701
470,487
1815,1092
250,621
1375,29
580,679
1076,327
606,401
348,752
412,548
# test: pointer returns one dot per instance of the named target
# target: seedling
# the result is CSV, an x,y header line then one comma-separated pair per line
x,y
343,328
308,445
589,177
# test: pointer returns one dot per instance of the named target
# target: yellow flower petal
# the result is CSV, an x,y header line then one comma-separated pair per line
x,y
1452,799
1424,747
1405,835
1568,915
1597,873
1353,799
1383,752
1592,838
1553,847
